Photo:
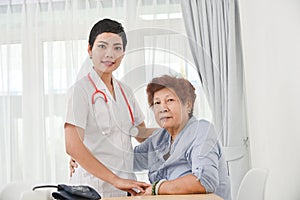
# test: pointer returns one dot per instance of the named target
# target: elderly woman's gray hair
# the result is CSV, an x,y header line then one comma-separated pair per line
x,y
182,87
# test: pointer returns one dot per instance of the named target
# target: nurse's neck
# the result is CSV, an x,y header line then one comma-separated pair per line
x,y
107,80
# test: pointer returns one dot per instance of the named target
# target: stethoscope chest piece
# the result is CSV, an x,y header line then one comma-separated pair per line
x,y
105,133
133,131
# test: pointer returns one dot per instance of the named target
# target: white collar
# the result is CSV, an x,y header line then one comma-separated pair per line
x,y
99,82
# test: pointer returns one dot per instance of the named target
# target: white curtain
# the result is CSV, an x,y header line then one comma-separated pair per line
x,y
213,28
43,50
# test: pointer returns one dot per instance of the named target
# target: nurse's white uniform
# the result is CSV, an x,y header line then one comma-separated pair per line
x,y
112,147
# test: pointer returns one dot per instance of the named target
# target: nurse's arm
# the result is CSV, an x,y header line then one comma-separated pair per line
x,y
78,151
144,132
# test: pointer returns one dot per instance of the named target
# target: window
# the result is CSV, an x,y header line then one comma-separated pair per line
x,y
11,69
11,109
38,66
62,61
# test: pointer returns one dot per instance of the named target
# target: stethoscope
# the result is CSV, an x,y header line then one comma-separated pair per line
x,y
133,131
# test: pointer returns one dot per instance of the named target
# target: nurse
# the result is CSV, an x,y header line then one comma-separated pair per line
x,y
102,116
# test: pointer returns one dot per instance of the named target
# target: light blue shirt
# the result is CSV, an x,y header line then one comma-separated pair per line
x,y
196,150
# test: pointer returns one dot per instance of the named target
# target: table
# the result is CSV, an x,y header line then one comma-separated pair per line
x,y
169,197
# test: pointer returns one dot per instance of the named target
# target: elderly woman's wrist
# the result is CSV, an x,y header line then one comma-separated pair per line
x,y
153,187
156,185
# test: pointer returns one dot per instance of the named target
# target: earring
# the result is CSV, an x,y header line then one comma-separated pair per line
x,y
91,57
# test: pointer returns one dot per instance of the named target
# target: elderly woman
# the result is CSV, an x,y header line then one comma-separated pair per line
x,y
183,156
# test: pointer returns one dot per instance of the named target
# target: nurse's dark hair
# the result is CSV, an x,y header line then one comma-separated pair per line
x,y
107,26
181,86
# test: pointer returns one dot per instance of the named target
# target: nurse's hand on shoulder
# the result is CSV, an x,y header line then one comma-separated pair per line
x,y
131,186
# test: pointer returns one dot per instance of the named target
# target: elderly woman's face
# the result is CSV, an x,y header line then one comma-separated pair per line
x,y
169,111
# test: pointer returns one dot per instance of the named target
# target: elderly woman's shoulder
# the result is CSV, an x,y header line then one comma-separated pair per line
x,y
203,126
202,122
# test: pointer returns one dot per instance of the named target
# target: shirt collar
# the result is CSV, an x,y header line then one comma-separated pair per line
x,y
190,121
98,81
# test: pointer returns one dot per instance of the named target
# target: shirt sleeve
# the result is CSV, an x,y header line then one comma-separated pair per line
x,y
141,156
204,158
77,107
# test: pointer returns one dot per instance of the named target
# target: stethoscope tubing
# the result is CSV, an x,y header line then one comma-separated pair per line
x,y
105,97
128,106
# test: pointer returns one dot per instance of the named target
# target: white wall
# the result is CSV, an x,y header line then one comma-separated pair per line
x,y
271,41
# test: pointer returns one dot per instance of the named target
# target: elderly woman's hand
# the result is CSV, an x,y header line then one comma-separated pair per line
x,y
148,190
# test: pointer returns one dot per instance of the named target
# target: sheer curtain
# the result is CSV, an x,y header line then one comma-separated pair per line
x,y
213,28
42,47
43,50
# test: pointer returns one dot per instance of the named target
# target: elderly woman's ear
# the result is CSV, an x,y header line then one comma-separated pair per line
x,y
189,106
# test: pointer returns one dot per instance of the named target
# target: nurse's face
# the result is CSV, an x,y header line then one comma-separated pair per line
x,y
169,111
107,52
